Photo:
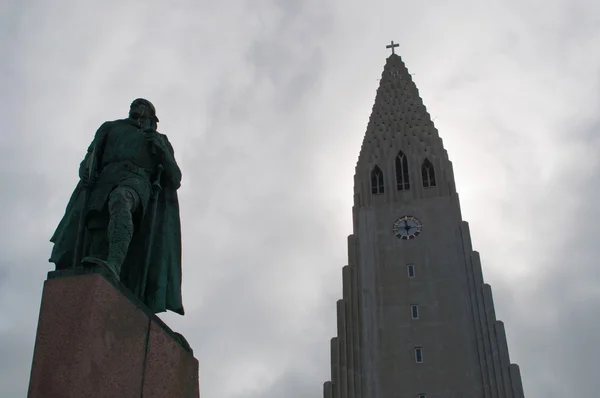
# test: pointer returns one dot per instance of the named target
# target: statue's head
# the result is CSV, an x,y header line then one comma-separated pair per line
x,y
142,109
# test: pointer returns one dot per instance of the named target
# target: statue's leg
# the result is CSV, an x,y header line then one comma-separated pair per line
x,y
96,239
122,203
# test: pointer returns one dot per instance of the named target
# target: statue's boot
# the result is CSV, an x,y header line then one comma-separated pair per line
x,y
120,232
87,261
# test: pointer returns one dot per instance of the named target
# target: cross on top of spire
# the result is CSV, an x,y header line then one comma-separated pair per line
x,y
392,45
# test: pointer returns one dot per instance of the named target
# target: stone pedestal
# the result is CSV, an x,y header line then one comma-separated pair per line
x,y
96,340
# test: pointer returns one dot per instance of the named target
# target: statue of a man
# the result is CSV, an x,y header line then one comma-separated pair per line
x,y
124,213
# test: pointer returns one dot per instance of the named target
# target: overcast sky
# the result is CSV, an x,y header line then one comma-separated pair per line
x,y
266,103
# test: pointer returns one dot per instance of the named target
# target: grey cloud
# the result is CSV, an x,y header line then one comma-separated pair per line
x,y
266,105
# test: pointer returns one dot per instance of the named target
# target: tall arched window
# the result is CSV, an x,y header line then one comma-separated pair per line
x,y
402,180
376,181
428,174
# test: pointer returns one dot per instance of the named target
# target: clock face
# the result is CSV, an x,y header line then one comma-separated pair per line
x,y
407,227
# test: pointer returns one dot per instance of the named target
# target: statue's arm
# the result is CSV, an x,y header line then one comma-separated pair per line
x,y
172,170
98,138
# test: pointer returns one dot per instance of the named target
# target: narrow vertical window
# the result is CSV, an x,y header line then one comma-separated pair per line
x,y
414,311
402,180
418,354
428,174
376,181
411,270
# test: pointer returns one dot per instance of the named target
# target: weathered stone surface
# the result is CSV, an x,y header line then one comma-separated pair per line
x,y
95,340
171,371
90,341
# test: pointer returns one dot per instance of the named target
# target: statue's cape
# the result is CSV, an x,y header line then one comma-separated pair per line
x,y
163,282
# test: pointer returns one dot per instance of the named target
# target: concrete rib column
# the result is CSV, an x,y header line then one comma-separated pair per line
x,y
466,239
484,326
335,368
341,315
356,331
355,307
347,294
504,358
369,321
328,390
490,314
516,381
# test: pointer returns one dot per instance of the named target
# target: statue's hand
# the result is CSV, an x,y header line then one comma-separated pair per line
x,y
155,140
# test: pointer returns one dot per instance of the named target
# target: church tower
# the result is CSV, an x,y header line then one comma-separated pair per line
x,y
416,319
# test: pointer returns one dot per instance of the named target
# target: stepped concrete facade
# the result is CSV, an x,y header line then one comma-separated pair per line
x,y
416,319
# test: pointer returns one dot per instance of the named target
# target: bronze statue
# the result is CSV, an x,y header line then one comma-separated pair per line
x,y
124,212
